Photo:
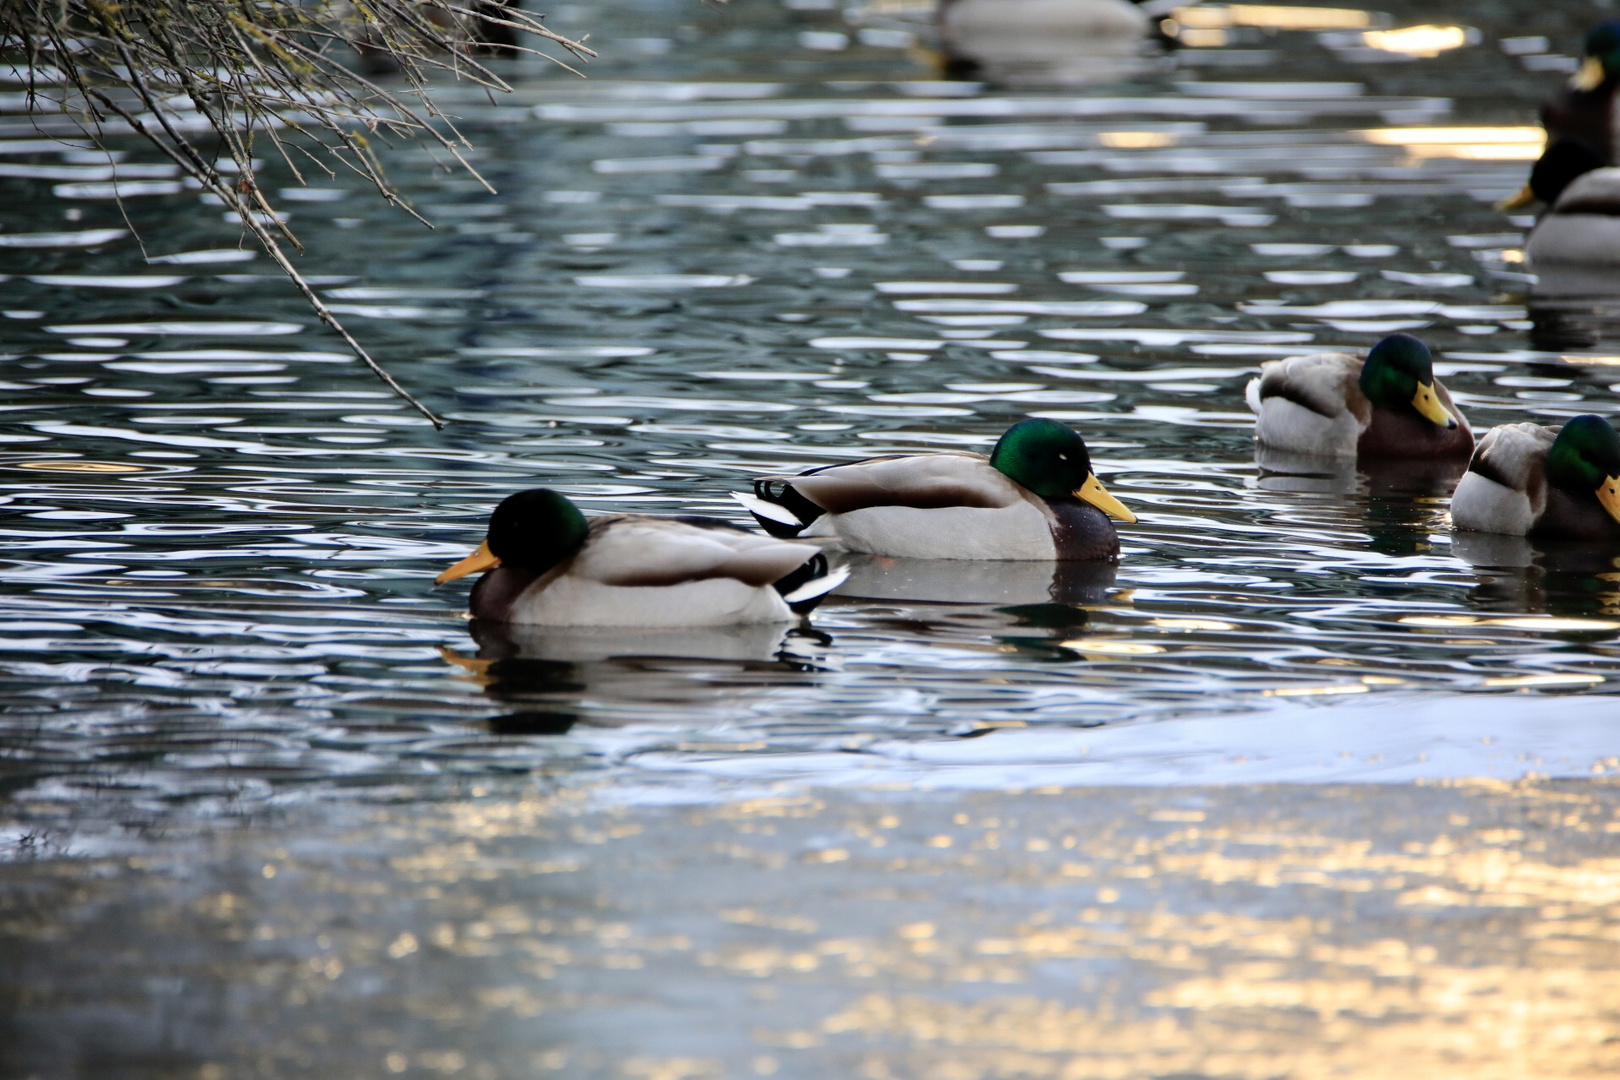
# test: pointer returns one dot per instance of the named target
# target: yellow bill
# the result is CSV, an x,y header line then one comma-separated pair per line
x,y
1608,494
1518,200
1427,403
1094,493
1590,75
478,560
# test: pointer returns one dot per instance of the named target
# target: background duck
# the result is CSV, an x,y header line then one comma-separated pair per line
x,y
1062,41
1553,482
1583,109
1034,497
1581,225
550,566
1334,405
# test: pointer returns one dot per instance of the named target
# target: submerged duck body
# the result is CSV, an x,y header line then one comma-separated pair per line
x,y
547,565
1546,482
1034,498
1335,405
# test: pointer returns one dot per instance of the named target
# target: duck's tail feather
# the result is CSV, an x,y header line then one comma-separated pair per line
x,y
809,585
1251,395
779,509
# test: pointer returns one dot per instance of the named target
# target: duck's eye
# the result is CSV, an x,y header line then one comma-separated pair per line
x,y
1063,457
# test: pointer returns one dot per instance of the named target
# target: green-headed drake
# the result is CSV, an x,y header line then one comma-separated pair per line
x,y
549,565
1336,405
1034,497
1553,482
1583,109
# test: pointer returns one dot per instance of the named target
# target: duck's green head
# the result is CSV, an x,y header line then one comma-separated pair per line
x,y
1586,457
1601,61
533,530
1399,376
1051,460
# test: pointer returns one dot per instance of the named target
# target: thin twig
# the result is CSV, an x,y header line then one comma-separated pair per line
x,y
166,69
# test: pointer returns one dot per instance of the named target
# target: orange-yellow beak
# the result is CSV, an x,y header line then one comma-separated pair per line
x,y
1590,76
1608,494
1518,200
1094,493
472,564
1427,403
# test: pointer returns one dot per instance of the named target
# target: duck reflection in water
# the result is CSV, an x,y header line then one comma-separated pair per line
x,y
1398,500
1518,576
1049,596
542,673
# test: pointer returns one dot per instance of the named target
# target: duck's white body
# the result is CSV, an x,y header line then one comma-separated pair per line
x,y
940,506
1015,532
1334,414
1313,405
643,571
1505,487
1583,227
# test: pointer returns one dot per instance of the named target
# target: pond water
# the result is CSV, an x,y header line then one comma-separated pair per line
x,y
268,807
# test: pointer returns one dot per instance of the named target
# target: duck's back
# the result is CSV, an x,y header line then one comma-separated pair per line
x,y
644,571
1311,404
1505,487
922,481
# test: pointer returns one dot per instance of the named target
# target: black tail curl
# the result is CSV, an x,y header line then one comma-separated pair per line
x,y
783,494
814,567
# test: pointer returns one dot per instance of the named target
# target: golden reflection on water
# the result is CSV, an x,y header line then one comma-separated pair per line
x,y
1457,929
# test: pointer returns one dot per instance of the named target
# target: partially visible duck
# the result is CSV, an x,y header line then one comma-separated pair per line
x,y
548,565
1335,405
1583,109
1581,225
1065,41
1035,497
1552,482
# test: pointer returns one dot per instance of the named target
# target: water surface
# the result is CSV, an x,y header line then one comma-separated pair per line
x,y
764,238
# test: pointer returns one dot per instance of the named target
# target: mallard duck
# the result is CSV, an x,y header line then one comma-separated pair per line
x,y
551,566
1034,497
1553,482
1334,405
1579,226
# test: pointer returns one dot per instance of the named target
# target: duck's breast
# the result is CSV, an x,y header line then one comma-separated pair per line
x,y
1400,435
1083,533
1575,516
570,600
1019,531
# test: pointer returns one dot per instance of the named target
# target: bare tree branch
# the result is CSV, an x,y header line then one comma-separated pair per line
x,y
165,70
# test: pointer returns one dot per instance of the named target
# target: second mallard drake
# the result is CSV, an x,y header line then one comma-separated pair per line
x,y
548,565
1035,497
1334,405
1551,482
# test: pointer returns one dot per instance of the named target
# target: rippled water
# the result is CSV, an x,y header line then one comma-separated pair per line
x,y
764,238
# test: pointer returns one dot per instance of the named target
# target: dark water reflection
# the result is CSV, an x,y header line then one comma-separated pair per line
x,y
760,238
